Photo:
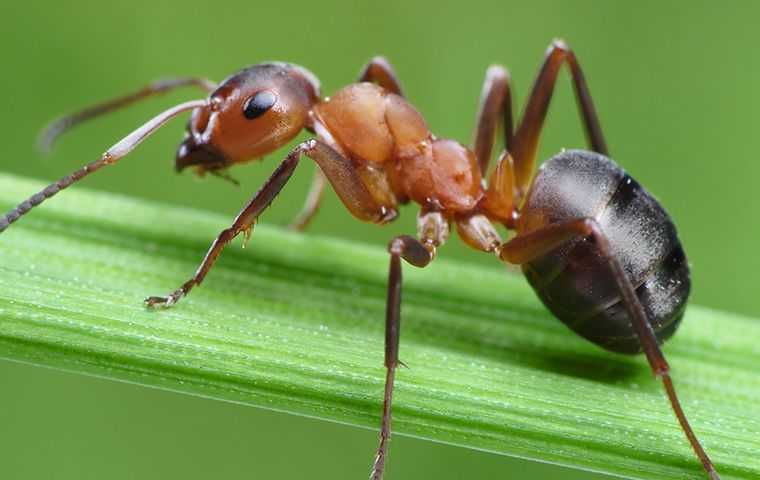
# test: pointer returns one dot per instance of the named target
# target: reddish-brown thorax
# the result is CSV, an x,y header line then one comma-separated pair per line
x,y
390,142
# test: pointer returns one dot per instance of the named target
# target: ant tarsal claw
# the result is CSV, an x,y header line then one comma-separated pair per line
x,y
154,302
164,302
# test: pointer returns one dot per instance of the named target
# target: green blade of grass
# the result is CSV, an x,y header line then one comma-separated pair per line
x,y
295,323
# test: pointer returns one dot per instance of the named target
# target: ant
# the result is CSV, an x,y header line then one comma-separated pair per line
x,y
597,248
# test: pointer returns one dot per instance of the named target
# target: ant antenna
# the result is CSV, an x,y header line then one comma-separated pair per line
x,y
58,127
110,157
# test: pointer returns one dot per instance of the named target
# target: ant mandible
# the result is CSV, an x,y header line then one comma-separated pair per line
x,y
597,248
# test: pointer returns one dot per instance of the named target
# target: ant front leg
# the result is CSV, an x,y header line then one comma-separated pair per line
x,y
433,230
338,169
527,247
525,146
243,223
377,70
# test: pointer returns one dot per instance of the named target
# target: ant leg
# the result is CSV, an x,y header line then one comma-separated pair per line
x,y
58,127
380,71
525,146
338,170
243,223
500,200
525,248
433,230
495,106
109,157
478,232
313,201
377,70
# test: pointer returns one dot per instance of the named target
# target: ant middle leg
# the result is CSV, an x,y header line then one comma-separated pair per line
x,y
312,203
495,108
432,230
525,146
338,169
527,247
377,70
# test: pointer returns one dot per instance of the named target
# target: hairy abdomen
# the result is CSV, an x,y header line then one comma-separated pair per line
x,y
574,281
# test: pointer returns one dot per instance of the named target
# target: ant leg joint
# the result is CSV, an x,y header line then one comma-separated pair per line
x,y
396,246
498,72
559,44
108,159
379,59
411,250
432,229
308,146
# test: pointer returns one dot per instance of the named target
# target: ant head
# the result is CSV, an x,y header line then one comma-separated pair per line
x,y
251,113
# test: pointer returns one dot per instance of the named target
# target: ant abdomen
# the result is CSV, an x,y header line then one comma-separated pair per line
x,y
574,280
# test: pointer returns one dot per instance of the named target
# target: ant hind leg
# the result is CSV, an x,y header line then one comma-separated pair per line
x,y
525,145
524,248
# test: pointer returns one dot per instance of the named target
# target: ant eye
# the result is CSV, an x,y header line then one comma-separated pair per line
x,y
258,104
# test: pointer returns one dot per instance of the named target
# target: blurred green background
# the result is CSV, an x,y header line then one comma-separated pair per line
x,y
676,88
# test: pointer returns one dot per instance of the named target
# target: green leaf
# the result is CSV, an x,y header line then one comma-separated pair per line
x,y
295,323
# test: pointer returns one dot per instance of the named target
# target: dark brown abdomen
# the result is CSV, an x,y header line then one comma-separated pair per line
x,y
574,281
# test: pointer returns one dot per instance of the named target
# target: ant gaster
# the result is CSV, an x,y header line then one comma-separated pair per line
x,y
598,249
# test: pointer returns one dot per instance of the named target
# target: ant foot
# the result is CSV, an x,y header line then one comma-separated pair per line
x,y
164,302
297,225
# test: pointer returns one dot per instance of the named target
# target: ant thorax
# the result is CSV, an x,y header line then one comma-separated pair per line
x,y
380,130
